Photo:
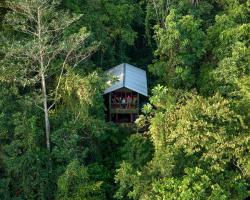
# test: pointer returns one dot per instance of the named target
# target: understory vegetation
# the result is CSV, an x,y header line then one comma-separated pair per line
x,y
194,138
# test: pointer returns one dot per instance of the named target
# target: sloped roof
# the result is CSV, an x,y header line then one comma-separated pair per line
x,y
130,77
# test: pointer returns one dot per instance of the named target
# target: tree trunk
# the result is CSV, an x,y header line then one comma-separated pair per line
x,y
194,2
43,82
46,111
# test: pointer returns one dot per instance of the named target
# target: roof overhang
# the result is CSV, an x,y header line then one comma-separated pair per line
x,y
128,76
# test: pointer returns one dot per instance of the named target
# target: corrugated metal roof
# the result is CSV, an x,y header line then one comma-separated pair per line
x,y
130,77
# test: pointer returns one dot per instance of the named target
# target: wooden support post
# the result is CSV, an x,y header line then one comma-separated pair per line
x,y
116,117
138,104
109,111
138,101
125,97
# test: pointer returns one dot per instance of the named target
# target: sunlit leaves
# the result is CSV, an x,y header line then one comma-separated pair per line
x,y
75,184
180,46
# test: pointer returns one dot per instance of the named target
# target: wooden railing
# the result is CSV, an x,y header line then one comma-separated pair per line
x,y
123,106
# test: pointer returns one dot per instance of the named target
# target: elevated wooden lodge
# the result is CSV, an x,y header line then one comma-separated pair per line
x,y
124,94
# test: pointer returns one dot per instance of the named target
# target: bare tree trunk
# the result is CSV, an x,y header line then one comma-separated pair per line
x,y
156,12
46,111
43,83
194,2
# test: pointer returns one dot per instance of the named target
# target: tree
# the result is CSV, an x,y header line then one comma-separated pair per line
x,y
75,184
113,24
25,170
180,46
45,51
228,42
195,184
137,150
195,133
200,148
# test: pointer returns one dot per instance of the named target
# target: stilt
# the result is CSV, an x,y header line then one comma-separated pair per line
x,y
116,118
109,107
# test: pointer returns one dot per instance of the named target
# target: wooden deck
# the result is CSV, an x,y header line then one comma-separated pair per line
x,y
120,112
124,110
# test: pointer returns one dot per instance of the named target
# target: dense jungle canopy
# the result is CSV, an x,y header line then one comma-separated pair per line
x,y
192,139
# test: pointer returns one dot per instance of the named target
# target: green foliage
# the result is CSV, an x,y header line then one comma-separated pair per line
x,y
194,185
229,44
137,150
205,135
4,189
193,140
48,25
112,23
180,46
24,160
75,184
125,177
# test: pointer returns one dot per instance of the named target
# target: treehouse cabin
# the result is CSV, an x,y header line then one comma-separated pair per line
x,y
125,93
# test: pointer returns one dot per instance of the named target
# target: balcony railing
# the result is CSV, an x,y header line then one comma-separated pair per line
x,y
123,106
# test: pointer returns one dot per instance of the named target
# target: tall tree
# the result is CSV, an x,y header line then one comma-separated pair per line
x,y
44,50
118,26
180,46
